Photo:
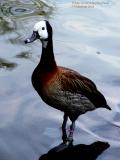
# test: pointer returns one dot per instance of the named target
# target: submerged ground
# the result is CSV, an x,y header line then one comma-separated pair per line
x,y
86,40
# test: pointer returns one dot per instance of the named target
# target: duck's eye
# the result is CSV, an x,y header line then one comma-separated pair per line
x,y
43,28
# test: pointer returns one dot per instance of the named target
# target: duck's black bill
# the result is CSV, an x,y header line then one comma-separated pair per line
x,y
32,38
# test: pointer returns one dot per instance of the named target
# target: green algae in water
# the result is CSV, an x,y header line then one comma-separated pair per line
x,y
5,64
24,55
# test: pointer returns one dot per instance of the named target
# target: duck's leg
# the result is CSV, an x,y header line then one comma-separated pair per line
x,y
64,134
72,128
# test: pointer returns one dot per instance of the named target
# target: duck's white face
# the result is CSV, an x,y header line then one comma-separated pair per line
x,y
41,28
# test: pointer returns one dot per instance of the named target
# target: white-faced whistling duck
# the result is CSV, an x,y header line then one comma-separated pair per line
x,y
60,87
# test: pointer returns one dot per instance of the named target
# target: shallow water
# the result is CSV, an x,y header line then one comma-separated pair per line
x,y
86,40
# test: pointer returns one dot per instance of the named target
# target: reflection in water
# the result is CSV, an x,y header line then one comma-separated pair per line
x,y
19,8
6,25
6,64
77,152
24,55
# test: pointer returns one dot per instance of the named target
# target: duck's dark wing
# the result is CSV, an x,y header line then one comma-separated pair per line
x,y
75,83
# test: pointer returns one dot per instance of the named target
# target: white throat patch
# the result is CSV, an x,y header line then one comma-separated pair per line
x,y
41,28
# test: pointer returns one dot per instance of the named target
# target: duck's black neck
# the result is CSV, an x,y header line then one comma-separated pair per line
x,y
47,61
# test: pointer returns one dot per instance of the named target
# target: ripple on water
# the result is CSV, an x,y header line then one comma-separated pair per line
x,y
88,29
19,8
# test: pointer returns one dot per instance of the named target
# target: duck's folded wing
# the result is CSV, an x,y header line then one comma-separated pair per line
x,y
75,83
74,103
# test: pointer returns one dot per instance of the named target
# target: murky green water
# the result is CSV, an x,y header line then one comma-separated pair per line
x,y
86,40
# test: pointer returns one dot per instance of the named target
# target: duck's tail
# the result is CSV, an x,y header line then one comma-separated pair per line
x,y
107,107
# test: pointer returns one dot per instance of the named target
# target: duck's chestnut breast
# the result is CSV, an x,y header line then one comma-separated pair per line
x,y
43,81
